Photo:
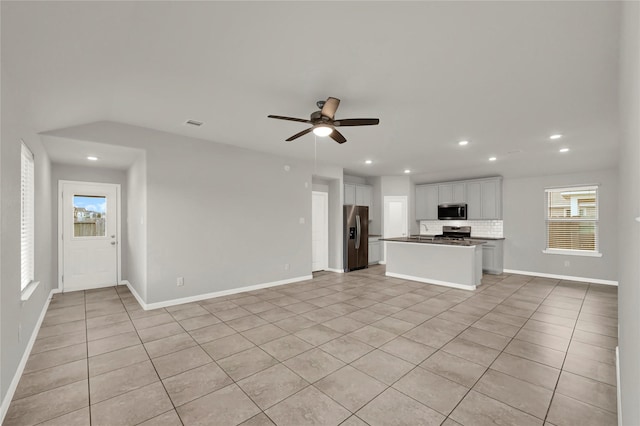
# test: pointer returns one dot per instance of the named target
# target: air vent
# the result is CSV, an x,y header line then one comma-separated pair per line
x,y
194,123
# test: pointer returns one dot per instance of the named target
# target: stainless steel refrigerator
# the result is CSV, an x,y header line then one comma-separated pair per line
x,y
356,237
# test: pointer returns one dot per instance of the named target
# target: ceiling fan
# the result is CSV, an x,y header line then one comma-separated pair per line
x,y
323,121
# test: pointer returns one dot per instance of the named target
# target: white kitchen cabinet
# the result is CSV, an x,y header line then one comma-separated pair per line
x,y
359,195
484,199
349,194
375,251
491,199
492,257
474,200
427,202
451,192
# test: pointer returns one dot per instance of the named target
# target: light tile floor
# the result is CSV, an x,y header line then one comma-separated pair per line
x,y
349,349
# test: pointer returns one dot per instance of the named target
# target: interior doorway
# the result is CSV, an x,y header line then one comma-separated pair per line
x,y
89,235
319,231
395,219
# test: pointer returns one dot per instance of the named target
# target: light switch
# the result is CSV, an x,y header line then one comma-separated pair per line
x,y
302,221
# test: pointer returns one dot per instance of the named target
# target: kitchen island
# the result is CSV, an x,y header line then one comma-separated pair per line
x,y
455,264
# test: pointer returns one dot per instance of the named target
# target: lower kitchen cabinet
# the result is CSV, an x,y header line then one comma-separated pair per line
x,y
375,251
492,257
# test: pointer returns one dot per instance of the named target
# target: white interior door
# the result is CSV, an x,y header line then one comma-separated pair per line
x,y
319,231
395,218
90,235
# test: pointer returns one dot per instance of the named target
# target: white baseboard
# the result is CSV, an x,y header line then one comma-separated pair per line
x,y
562,277
618,386
25,357
383,262
339,271
429,281
196,298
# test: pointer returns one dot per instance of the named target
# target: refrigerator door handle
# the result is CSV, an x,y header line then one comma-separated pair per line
x,y
357,232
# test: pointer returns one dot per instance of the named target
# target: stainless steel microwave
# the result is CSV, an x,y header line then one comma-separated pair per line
x,y
452,212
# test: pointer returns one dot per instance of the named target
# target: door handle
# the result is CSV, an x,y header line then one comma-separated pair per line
x,y
357,231
113,243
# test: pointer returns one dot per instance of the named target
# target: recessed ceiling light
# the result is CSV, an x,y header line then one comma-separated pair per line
x,y
92,158
368,162
492,158
463,143
564,149
407,171
556,136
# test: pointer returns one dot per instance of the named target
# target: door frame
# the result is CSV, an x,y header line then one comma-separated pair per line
x,y
385,202
325,196
117,186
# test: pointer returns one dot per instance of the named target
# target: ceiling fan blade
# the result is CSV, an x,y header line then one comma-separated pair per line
x,y
297,135
280,117
337,136
330,107
356,122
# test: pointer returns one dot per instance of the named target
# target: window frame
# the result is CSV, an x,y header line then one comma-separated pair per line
x,y
547,220
27,221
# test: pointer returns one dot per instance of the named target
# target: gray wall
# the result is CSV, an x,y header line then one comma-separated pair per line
x,y
88,174
136,218
215,212
524,226
629,230
375,226
18,319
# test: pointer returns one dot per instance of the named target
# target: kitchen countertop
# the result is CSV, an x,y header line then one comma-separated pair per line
x,y
424,239
473,237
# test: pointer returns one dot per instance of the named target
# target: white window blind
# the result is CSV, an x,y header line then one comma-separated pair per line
x,y
27,204
572,219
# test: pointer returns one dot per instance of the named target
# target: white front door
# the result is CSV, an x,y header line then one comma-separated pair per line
x,y
319,231
90,235
395,218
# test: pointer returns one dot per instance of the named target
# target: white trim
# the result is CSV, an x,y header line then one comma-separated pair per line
x,y
573,252
28,290
562,277
25,357
430,281
189,299
339,271
618,386
382,262
61,184
590,187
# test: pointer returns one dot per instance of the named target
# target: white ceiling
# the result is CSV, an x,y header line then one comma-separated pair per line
x,y
504,75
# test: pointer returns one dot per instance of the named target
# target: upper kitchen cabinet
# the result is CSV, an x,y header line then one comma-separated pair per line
x,y
364,194
482,196
484,199
453,192
349,194
359,195
427,202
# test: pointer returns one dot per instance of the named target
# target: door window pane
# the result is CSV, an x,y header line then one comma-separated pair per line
x,y
89,216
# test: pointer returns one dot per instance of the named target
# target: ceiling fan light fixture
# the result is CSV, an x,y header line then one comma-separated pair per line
x,y
322,131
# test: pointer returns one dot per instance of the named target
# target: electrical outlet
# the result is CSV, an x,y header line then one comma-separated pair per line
x,y
180,281
567,263
286,266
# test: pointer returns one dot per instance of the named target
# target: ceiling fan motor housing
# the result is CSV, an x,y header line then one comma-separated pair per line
x,y
318,117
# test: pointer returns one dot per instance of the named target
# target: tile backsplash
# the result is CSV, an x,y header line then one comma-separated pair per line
x,y
479,228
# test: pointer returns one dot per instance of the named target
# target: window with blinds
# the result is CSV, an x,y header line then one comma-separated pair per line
x,y
572,219
27,217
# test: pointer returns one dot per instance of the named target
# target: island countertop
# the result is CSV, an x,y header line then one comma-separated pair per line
x,y
429,240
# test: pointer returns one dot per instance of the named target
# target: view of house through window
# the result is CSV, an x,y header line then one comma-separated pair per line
x,y
27,217
89,215
572,218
